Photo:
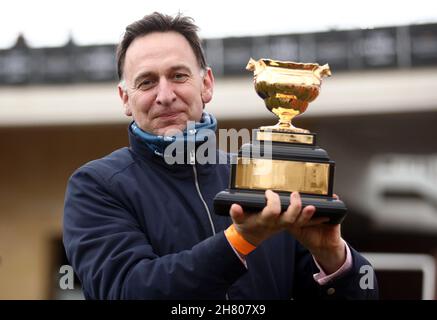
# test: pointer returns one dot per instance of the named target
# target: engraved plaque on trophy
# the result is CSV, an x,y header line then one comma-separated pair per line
x,y
281,157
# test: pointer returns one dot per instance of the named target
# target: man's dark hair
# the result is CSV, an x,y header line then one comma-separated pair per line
x,y
158,22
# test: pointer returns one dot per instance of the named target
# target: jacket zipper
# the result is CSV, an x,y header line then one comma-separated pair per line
x,y
196,182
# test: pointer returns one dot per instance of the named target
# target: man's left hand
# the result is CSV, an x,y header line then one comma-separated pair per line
x,y
322,240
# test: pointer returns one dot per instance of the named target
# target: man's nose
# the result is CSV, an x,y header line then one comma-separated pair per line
x,y
166,94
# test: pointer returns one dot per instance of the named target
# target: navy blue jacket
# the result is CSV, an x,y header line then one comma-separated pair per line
x,y
138,228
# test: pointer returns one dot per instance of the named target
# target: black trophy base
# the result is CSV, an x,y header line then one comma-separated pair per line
x,y
255,201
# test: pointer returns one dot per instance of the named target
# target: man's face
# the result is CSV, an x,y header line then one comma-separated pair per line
x,y
164,84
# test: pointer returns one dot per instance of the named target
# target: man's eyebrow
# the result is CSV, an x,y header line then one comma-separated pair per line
x,y
180,67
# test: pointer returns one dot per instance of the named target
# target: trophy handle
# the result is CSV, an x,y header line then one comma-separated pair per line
x,y
323,71
255,66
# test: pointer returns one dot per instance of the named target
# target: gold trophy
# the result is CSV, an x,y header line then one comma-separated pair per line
x,y
283,158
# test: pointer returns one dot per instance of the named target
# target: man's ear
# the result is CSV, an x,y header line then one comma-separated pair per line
x,y
122,92
207,86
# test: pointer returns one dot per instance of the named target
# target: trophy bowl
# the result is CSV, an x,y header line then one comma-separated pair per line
x,y
287,88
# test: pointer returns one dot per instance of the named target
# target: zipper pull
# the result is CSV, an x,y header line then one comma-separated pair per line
x,y
191,144
192,156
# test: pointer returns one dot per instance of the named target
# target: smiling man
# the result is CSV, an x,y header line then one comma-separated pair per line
x,y
163,84
136,227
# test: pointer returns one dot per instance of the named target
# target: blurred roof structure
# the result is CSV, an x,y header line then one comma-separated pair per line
x,y
382,70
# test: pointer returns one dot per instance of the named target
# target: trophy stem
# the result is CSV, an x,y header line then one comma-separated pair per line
x,y
284,126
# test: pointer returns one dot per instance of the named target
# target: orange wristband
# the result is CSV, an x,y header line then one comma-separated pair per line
x,y
238,242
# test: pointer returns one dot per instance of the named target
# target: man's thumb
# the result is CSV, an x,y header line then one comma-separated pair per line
x,y
237,214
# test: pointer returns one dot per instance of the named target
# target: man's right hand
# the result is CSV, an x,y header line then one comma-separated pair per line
x,y
256,228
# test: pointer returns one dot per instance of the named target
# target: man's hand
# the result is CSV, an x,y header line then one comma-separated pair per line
x,y
322,240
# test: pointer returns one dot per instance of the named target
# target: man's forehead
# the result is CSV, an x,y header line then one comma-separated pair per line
x,y
158,49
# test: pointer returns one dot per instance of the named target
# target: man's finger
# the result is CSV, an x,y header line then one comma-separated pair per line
x,y
273,206
305,215
293,210
316,221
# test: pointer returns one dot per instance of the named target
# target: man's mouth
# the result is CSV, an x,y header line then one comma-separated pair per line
x,y
169,115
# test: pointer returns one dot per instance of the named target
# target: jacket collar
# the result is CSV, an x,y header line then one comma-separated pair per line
x,y
143,152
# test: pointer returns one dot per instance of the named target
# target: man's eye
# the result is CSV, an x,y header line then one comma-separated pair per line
x,y
180,77
146,84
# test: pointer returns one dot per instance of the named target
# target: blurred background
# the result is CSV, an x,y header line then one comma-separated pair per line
x,y
376,116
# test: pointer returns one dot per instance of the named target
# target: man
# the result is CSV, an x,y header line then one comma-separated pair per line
x,y
136,227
